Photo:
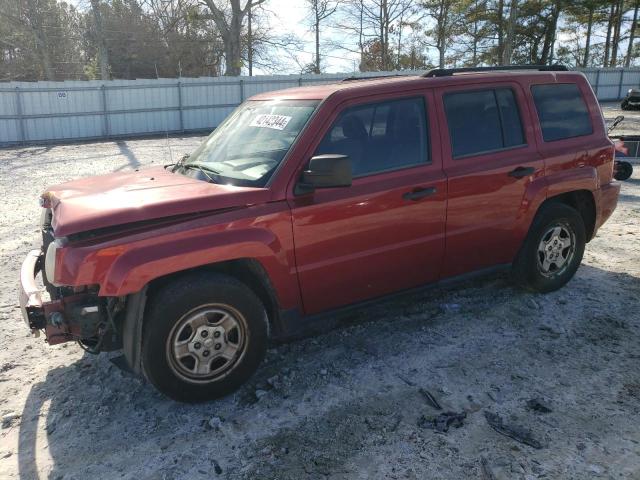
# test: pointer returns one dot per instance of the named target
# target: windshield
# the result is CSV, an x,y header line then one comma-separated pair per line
x,y
247,147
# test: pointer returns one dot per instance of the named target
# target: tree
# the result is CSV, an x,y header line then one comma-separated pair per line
x,y
102,44
617,28
510,34
320,11
229,19
446,18
632,34
38,40
474,31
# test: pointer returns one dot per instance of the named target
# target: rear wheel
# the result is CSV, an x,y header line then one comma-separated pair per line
x,y
204,335
553,249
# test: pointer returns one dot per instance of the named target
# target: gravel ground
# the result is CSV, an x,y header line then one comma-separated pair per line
x,y
351,403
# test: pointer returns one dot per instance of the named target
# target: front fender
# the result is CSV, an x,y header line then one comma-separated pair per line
x,y
135,268
124,265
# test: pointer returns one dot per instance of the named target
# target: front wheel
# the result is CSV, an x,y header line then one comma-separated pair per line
x,y
553,249
203,337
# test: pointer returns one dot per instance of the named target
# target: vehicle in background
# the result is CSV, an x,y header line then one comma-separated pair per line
x,y
627,151
632,100
311,200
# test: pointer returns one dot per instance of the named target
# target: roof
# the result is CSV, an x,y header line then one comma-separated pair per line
x,y
376,85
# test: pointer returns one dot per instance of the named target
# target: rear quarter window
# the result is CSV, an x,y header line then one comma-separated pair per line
x,y
562,111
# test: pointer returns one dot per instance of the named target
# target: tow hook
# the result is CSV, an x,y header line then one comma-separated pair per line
x,y
56,319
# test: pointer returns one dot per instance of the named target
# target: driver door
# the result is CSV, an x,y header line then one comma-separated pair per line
x,y
386,232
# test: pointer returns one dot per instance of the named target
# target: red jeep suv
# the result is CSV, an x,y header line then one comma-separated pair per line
x,y
311,199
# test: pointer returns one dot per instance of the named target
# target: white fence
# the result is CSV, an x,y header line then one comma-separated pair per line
x,y
82,110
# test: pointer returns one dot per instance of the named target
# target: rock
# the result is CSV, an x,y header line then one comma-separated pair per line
x,y
260,393
539,405
274,382
443,422
323,371
216,467
450,307
215,423
9,419
597,469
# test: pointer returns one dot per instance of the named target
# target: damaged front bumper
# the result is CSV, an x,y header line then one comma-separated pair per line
x,y
68,318
29,294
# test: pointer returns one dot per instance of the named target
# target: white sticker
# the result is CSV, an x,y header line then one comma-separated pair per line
x,y
265,120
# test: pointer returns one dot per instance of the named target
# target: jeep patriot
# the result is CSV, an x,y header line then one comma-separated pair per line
x,y
308,200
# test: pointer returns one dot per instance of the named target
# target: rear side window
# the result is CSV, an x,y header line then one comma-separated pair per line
x,y
483,121
380,136
562,111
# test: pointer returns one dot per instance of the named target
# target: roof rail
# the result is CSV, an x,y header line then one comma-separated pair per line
x,y
447,72
372,77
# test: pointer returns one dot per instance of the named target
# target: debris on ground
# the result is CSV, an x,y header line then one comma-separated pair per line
x,y
487,472
441,423
431,400
539,405
519,434
9,419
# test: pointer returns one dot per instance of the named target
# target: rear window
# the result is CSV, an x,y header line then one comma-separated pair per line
x,y
483,121
562,111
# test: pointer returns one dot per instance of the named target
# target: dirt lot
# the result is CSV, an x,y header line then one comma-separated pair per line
x,y
347,404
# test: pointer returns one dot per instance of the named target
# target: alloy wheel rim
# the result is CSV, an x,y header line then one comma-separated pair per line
x,y
207,343
556,250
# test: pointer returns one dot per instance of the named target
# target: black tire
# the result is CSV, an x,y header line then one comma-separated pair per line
x,y
623,170
624,105
172,317
528,268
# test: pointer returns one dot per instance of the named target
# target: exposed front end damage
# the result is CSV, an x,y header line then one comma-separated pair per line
x,y
69,313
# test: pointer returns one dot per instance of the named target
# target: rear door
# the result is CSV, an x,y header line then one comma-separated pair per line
x,y
490,157
385,232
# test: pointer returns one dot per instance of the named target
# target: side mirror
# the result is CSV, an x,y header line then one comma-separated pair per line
x,y
325,171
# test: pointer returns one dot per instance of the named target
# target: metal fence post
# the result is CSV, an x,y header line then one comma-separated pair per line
x,y
105,112
300,81
595,87
20,116
620,84
241,84
180,106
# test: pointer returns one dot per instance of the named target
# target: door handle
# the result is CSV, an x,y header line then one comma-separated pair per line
x,y
419,193
521,172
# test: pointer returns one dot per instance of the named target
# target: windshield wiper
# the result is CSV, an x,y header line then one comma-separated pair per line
x,y
179,163
203,168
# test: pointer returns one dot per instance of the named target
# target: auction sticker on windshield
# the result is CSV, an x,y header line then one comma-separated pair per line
x,y
266,120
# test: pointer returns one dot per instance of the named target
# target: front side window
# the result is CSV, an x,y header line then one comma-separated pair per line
x,y
483,121
562,111
380,136
247,147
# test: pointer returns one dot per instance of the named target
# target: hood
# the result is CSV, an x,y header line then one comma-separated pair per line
x,y
151,193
